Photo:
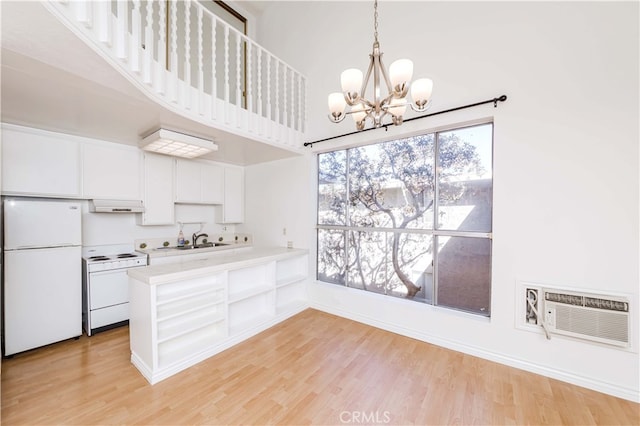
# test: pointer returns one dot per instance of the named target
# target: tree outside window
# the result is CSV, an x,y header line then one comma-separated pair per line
x,y
410,218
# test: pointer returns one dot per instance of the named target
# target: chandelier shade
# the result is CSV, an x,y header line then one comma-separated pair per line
x,y
400,73
351,81
394,103
420,90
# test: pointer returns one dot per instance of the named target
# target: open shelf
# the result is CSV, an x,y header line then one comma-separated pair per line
x,y
287,296
251,310
245,282
187,345
291,280
180,326
172,292
291,270
241,295
188,304
213,307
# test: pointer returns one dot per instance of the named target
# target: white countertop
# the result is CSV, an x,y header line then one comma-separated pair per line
x,y
161,274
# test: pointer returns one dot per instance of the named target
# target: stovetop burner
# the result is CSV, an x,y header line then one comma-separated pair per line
x,y
114,257
98,258
126,255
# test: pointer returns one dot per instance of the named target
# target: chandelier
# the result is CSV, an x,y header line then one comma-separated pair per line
x,y
394,103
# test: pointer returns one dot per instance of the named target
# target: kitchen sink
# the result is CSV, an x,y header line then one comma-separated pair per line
x,y
203,245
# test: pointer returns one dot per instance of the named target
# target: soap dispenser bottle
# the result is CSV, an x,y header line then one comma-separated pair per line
x,y
180,238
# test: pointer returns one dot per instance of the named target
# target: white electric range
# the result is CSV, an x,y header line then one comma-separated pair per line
x,y
105,285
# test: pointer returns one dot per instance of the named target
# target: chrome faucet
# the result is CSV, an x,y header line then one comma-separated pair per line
x,y
195,237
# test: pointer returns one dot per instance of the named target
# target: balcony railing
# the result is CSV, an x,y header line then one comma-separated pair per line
x,y
190,61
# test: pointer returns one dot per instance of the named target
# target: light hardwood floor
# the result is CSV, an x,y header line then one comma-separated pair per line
x,y
314,368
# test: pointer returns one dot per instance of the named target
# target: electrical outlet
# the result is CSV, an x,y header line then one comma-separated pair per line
x,y
290,244
532,305
284,231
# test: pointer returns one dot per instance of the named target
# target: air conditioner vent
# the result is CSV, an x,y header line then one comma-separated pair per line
x,y
567,299
612,305
603,319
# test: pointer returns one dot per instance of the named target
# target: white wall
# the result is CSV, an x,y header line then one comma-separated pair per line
x,y
279,202
566,158
115,228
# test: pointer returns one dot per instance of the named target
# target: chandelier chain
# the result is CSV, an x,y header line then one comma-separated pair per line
x,y
375,21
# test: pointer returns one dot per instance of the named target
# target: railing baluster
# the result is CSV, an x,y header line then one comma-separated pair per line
x,y
226,73
174,70
277,93
135,36
285,110
148,43
269,109
104,22
187,54
299,108
122,29
238,81
259,89
291,123
248,89
160,66
214,80
84,12
200,65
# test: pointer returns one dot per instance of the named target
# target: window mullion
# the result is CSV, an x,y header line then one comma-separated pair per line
x,y
436,207
347,217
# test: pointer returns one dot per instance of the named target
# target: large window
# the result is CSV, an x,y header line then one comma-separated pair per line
x,y
410,218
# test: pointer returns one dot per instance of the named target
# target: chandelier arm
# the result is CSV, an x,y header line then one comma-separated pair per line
x,y
338,119
376,80
365,82
423,108
388,82
384,103
351,102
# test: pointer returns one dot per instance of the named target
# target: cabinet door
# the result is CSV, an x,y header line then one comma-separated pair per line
x,y
233,207
212,184
158,190
188,181
110,171
39,163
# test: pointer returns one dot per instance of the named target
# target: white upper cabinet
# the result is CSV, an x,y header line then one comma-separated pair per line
x,y
198,182
212,184
39,163
232,209
111,171
158,190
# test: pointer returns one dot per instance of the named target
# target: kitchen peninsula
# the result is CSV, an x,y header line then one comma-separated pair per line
x,y
183,313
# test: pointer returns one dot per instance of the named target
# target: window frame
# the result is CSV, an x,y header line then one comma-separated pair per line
x,y
434,232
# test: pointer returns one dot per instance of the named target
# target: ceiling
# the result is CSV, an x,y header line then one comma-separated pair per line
x,y
51,80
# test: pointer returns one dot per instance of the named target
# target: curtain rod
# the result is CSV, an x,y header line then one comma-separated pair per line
x,y
488,101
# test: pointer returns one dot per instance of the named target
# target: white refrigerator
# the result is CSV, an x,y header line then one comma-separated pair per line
x,y
42,301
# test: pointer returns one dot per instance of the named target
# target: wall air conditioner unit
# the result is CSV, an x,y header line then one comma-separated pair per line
x,y
598,318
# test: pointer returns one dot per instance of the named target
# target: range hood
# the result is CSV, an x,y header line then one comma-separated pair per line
x,y
116,206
